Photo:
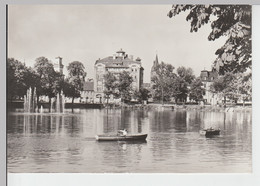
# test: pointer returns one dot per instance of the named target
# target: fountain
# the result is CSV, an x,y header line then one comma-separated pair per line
x,y
30,100
41,109
58,103
51,104
62,101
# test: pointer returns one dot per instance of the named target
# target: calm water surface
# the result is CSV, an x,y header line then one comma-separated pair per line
x,y
65,142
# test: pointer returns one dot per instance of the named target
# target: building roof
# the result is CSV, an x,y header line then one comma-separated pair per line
x,y
120,51
88,86
117,61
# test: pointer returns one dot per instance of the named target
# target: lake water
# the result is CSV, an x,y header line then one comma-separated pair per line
x,y
56,143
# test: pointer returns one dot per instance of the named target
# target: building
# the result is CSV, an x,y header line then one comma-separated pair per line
x,y
116,64
58,66
87,94
207,78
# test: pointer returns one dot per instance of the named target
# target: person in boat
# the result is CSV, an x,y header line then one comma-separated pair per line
x,y
122,132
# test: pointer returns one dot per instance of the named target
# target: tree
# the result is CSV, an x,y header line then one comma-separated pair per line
x,y
111,85
196,90
69,90
182,81
19,78
142,95
243,86
75,79
14,76
48,78
225,86
233,21
124,86
186,74
162,81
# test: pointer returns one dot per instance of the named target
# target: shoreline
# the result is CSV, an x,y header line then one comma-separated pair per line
x,y
173,107
150,106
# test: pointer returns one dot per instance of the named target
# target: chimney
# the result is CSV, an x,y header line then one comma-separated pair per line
x,y
114,56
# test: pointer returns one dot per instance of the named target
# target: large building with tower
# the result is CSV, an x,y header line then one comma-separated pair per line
x,y
116,64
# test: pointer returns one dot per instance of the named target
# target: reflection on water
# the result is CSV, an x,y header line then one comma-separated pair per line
x,y
65,142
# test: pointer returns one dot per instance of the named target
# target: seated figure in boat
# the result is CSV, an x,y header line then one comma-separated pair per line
x,y
122,132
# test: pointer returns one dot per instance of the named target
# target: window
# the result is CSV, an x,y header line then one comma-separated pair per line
x,y
99,88
99,83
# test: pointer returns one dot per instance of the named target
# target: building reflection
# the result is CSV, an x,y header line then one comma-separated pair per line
x,y
114,120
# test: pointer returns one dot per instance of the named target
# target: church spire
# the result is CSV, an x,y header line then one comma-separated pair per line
x,y
156,62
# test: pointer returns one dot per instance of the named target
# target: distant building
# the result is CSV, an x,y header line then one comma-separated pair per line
x,y
87,94
116,64
58,66
207,78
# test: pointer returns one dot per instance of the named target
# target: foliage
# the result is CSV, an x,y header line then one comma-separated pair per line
x,y
19,78
119,86
186,74
124,86
162,81
142,95
182,81
234,86
50,82
243,86
196,90
111,85
69,90
76,79
224,86
77,69
233,21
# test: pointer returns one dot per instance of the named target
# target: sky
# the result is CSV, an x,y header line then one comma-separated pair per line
x,y
86,33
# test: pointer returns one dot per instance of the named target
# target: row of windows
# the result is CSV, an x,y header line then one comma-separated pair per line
x,y
205,78
99,88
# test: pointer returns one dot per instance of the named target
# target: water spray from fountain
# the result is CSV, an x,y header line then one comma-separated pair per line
x,y
30,100
60,102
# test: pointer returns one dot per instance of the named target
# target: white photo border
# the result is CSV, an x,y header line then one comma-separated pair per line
x,y
80,179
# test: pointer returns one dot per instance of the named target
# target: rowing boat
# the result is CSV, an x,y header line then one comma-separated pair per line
x,y
128,137
210,132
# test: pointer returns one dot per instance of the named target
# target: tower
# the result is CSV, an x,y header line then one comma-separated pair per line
x,y
155,63
58,66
